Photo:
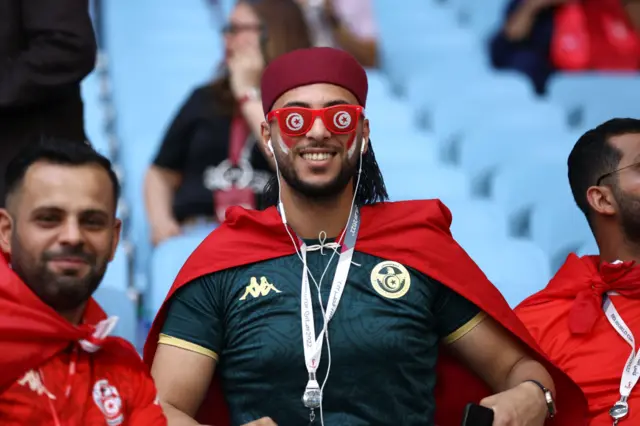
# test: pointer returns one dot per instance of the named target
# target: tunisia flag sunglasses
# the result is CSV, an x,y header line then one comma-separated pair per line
x,y
297,121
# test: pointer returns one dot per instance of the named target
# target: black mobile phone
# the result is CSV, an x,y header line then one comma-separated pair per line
x,y
477,415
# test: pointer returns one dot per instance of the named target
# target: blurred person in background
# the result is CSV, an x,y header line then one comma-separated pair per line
x,y
347,24
587,318
209,159
540,37
58,365
46,48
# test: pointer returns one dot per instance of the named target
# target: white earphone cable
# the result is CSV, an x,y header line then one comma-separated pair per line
x,y
306,268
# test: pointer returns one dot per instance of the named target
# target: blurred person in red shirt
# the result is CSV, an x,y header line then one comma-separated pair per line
x,y
540,37
58,364
587,318
209,158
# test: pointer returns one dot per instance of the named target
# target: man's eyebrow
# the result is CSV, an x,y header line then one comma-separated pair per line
x,y
296,104
325,105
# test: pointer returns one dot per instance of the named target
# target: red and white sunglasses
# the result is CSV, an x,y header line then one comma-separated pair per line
x,y
297,121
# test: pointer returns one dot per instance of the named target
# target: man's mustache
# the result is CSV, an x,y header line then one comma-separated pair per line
x,y
66,253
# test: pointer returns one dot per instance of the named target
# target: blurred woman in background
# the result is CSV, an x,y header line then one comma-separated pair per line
x,y
209,159
540,37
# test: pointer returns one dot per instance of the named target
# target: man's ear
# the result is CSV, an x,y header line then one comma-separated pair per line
x,y
602,201
266,140
117,229
365,136
6,231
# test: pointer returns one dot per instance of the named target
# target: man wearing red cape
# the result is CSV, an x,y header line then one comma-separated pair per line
x,y
254,332
58,365
587,318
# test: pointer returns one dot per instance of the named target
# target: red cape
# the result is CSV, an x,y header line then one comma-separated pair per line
x,y
31,332
413,233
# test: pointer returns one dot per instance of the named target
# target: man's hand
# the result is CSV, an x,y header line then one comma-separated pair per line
x,y
265,421
523,405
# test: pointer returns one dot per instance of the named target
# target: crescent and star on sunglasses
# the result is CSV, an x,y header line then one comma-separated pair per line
x,y
296,121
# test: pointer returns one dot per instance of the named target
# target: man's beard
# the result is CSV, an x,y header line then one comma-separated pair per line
x,y
322,192
629,210
63,292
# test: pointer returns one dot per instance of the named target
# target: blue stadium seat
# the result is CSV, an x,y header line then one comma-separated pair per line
x,y
379,87
484,17
476,219
590,248
518,187
117,276
592,98
398,149
389,114
454,78
407,32
433,52
166,262
559,228
456,119
518,268
94,114
414,183
123,304
484,150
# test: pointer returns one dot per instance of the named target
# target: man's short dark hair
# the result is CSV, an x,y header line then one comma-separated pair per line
x,y
593,156
56,151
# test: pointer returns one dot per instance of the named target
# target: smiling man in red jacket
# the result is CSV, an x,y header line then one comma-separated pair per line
x,y
58,365
333,307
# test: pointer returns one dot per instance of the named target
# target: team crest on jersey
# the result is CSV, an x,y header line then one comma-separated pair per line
x,y
108,400
257,290
390,279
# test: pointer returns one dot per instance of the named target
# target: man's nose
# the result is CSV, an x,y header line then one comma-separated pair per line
x,y
71,234
318,131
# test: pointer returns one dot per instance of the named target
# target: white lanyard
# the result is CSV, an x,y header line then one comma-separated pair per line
x,y
631,372
313,345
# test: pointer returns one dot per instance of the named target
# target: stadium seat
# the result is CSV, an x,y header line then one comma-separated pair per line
x,y
559,228
431,52
485,17
577,89
166,262
518,187
518,268
389,114
590,248
411,183
123,304
487,148
476,219
396,149
117,275
458,118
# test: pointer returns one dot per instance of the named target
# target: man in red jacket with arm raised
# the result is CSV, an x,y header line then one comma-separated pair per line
x,y
335,307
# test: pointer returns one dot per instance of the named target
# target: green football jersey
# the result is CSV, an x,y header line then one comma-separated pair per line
x,y
383,339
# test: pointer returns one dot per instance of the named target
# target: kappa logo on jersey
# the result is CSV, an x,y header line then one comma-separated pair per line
x,y
108,400
33,380
257,290
390,279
